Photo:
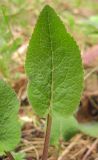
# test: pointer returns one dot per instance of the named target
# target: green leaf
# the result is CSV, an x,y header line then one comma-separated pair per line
x,y
53,66
9,125
63,129
19,156
90,128
66,128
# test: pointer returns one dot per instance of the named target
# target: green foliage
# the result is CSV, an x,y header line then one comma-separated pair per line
x,y
90,128
63,129
93,21
8,45
71,128
6,52
3,68
66,128
53,66
90,25
19,156
9,125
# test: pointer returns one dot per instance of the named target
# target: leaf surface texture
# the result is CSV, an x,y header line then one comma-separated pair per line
x,y
53,66
9,125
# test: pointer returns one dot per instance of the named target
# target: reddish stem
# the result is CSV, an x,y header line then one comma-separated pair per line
x,y
47,138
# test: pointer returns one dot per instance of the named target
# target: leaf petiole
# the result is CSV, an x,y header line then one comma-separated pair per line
x,y
47,137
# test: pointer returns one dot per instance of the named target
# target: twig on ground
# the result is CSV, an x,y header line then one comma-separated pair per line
x,y
90,150
91,72
29,149
67,150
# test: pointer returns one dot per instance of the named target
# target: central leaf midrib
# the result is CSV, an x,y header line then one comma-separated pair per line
x,y
50,43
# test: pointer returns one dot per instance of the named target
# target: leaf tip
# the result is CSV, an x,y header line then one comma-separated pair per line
x,y
47,7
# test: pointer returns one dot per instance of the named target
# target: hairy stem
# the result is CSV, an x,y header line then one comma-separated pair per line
x,y
47,138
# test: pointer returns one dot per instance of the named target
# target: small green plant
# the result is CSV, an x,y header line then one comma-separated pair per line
x,y
9,125
54,69
63,129
19,156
